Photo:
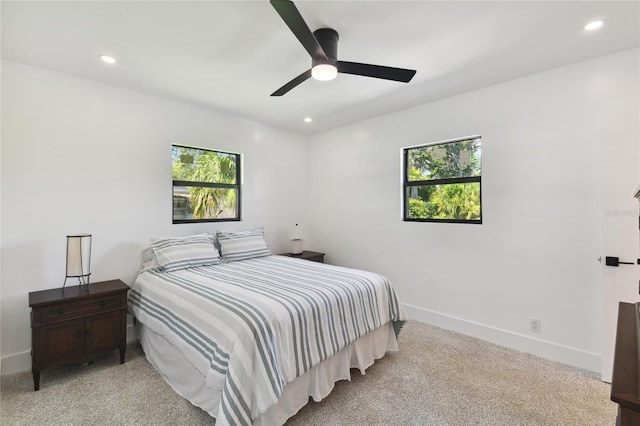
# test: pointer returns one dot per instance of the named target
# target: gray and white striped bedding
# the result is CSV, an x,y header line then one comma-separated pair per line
x,y
252,326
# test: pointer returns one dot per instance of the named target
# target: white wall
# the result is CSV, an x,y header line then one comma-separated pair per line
x,y
535,254
84,157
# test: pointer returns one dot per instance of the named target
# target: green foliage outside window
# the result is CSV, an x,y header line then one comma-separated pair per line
x,y
442,182
205,184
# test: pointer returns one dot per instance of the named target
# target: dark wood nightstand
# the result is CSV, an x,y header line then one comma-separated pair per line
x,y
72,325
314,256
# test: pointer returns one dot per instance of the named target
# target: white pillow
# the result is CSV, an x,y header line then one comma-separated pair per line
x,y
149,260
186,252
241,245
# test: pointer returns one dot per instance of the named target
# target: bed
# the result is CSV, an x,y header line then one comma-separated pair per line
x,y
251,339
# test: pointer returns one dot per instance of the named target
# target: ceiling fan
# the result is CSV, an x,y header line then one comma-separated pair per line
x,y
322,45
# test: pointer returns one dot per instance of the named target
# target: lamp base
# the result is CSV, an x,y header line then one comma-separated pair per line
x,y
82,279
296,246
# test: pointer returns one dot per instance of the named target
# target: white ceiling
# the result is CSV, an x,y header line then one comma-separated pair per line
x,y
229,56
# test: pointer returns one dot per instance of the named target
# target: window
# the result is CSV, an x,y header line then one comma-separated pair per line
x,y
442,182
206,185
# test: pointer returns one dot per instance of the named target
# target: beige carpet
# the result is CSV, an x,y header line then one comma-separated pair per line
x,y
438,378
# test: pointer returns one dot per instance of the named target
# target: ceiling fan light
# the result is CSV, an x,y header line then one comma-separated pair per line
x,y
324,72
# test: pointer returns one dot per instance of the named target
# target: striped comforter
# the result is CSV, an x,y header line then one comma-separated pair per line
x,y
252,326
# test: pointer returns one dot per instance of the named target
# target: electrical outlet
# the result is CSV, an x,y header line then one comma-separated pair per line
x,y
535,325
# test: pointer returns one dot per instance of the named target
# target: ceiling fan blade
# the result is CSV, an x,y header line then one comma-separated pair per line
x,y
377,71
290,15
293,83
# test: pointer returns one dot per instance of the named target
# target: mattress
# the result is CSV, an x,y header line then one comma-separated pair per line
x,y
316,383
251,328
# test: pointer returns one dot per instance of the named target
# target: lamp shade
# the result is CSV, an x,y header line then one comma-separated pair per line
x,y
79,256
295,233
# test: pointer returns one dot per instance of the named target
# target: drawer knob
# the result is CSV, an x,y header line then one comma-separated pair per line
x,y
103,303
79,334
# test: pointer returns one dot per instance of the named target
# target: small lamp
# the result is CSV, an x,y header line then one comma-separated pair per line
x,y
295,235
78,258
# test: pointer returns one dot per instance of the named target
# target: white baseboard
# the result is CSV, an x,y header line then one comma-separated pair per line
x,y
542,348
20,362
16,363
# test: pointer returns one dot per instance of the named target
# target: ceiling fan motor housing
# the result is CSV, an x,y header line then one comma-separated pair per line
x,y
322,46
328,40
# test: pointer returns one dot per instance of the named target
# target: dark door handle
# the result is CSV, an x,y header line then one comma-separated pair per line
x,y
615,261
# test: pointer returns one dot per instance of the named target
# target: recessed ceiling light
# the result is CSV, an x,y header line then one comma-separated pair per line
x,y
108,59
594,25
308,120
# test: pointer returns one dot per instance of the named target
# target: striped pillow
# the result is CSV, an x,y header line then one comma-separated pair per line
x,y
186,252
241,245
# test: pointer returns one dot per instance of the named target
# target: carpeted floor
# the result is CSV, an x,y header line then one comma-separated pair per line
x,y
438,378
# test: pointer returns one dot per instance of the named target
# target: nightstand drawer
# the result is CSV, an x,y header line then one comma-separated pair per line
x,y
64,311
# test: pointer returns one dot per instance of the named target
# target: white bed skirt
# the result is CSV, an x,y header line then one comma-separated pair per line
x,y
316,383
